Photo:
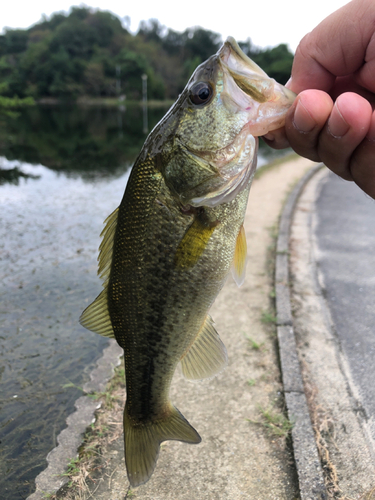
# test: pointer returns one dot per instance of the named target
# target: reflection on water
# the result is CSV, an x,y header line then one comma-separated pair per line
x,y
13,175
62,171
49,236
82,140
50,221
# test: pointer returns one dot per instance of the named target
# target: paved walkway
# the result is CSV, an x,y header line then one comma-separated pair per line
x,y
333,299
345,238
241,459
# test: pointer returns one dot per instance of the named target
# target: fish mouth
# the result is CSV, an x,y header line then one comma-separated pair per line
x,y
250,92
260,104
249,77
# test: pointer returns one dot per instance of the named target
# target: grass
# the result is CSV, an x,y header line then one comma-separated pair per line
x,y
253,344
83,470
72,467
268,318
118,378
275,423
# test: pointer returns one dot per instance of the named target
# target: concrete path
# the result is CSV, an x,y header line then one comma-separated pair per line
x,y
345,237
239,458
333,299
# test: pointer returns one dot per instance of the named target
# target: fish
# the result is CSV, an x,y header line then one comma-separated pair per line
x,y
168,248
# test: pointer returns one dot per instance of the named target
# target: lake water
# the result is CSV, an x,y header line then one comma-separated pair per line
x,y
62,171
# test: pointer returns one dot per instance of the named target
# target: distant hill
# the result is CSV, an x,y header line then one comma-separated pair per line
x,y
90,53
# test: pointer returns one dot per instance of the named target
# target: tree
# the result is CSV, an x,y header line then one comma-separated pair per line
x,y
151,30
75,54
201,43
276,62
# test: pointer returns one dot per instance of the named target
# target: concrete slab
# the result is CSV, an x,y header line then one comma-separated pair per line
x,y
340,433
238,458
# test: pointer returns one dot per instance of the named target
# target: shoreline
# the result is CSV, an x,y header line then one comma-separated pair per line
x,y
102,101
269,170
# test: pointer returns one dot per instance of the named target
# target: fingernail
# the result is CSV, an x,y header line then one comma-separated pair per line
x,y
288,83
336,123
302,119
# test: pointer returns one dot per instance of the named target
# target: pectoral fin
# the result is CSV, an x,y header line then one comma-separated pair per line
x,y
206,356
239,261
193,244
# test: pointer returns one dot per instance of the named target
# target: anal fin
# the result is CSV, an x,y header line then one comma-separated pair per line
x,y
206,356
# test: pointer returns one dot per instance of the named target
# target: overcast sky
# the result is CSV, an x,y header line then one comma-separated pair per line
x,y
266,22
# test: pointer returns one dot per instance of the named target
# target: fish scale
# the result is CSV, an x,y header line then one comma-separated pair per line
x,y
168,248
151,307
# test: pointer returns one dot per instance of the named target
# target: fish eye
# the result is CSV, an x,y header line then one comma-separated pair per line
x,y
201,93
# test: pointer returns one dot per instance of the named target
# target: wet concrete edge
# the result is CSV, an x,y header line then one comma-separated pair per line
x,y
309,470
69,440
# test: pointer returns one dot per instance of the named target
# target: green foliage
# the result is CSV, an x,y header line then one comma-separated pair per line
x,y
268,317
8,105
90,53
15,102
275,422
276,61
253,344
72,467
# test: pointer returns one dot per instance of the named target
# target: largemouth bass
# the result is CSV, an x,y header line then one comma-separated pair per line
x,y
168,248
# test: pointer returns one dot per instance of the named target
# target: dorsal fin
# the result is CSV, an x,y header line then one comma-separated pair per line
x,y
96,316
239,261
106,246
207,355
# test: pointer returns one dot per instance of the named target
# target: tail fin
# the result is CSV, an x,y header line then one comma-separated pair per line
x,y
142,442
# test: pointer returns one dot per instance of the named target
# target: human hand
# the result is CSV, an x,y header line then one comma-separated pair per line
x,y
332,118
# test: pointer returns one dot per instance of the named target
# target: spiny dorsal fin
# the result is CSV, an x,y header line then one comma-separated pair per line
x,y
142,442
206,356
96,316
106,246
239,261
